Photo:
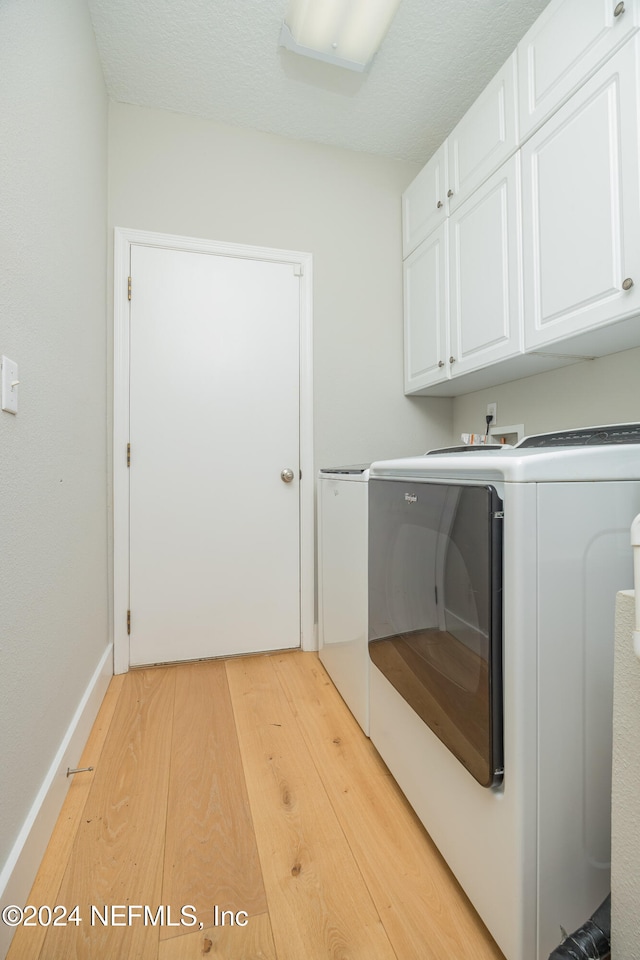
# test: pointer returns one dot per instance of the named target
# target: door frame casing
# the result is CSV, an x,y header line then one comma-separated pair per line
x,y
124,239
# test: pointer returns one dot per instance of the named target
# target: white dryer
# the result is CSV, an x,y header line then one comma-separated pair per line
x,y
342,583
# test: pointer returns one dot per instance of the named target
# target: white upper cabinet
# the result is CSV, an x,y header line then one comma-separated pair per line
x,y
463,289
426,316
485,137
521,236
485,273
424,202
566,44
581,213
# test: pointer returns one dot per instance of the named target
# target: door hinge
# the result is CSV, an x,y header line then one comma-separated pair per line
x,y
128,454
128,623
298,270
129,288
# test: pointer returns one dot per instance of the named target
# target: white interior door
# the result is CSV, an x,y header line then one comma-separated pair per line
x,y
214,418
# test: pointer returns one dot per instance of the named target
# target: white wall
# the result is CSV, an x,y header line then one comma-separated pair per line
x,y
53,585
593,392
176,174
625,847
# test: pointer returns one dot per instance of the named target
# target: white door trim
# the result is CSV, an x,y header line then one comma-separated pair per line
x,y
124,240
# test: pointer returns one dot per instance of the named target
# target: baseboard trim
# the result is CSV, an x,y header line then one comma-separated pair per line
x,y
19,872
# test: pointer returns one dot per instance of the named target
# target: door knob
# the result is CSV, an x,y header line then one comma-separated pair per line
x,y
618,10
627,284
286,475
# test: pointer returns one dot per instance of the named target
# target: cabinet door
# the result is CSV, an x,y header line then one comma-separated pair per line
x,y
424,202
568,41
581,217
485,137
426,313
485,273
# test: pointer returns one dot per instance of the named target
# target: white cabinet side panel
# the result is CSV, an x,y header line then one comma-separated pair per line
x,y
343,518
584,557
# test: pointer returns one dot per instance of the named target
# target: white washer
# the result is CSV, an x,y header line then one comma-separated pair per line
x,y
342,583
531,848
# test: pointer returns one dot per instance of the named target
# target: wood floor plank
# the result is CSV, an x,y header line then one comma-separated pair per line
x,y
253,942
424,910
319,906
117,855
27,942
211,857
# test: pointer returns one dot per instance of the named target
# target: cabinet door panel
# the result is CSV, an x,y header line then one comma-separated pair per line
x,y
426,313
485,137
581,214
424,202
568,41
485,273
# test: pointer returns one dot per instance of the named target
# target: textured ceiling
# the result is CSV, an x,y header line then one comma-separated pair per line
x,y
220,59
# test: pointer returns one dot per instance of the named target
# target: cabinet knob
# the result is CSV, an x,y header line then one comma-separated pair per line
x,y
449,193
441,363
439,204
618,10
627,284
452,359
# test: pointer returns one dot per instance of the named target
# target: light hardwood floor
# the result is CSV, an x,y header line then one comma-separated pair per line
x,y
244,786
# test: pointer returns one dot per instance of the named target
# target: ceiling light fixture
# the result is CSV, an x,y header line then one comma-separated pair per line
x,y
346,33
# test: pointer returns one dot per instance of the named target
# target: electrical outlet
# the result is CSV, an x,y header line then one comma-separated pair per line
x,y
492,411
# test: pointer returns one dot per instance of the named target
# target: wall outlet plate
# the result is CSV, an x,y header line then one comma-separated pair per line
x,y
9,385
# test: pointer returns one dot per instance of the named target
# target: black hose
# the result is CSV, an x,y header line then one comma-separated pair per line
x,y
592,941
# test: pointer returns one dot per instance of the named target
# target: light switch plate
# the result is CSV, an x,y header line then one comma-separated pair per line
x,y
9,392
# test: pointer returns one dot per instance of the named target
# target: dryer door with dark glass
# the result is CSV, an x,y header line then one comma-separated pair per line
x,y
435,610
